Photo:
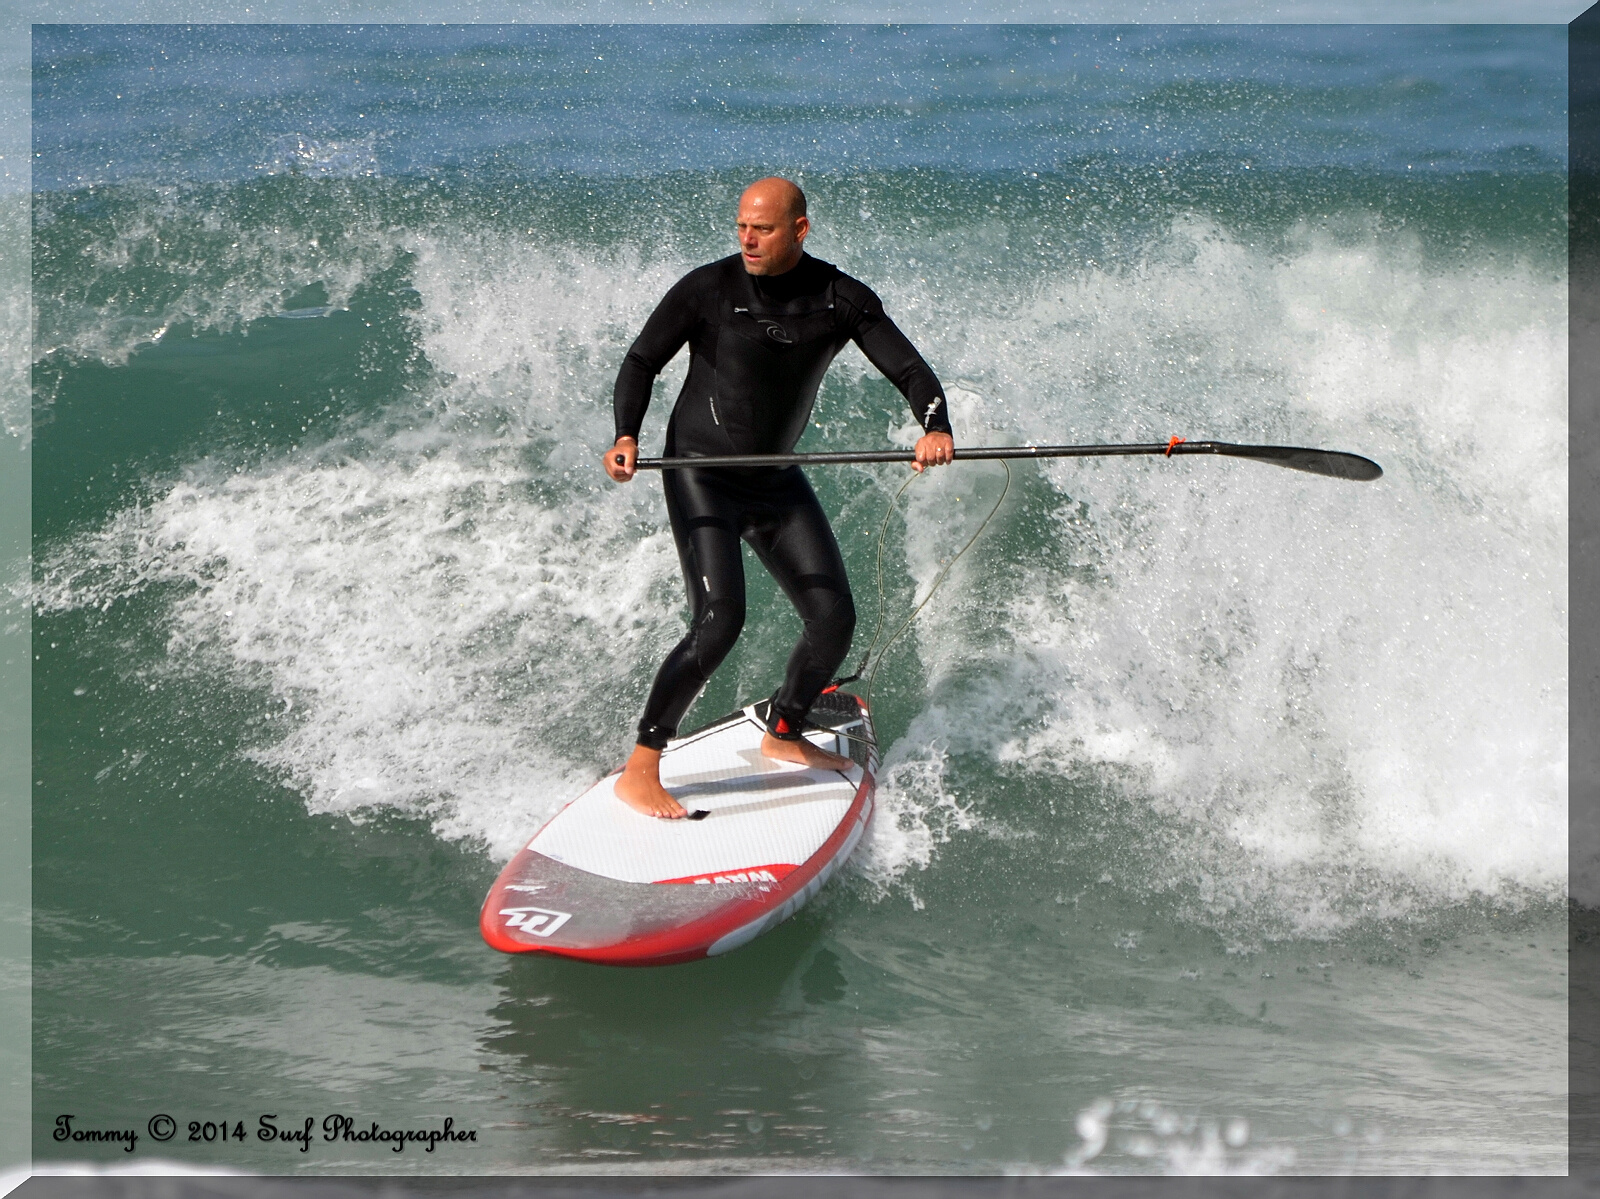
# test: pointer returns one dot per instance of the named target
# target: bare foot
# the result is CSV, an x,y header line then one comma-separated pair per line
x,y
804,753
639,786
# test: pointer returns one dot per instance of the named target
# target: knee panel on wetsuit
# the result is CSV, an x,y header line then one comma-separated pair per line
x,y
834,629
714,632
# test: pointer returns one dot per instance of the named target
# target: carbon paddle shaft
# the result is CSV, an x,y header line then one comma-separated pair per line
x,y
1335,464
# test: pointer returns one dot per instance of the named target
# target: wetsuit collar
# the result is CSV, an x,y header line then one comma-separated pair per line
x,y
806,277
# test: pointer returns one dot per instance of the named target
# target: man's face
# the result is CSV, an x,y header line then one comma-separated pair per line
x,y
769,237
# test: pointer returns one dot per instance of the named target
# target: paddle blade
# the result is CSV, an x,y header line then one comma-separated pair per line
x,y
1336,464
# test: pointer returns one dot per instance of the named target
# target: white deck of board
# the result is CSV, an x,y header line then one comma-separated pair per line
x,y
762,813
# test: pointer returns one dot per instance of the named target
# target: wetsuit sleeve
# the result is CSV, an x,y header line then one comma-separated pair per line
x,y
669,326
891,352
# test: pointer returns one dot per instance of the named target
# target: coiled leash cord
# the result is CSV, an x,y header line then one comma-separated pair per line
x,y
876,662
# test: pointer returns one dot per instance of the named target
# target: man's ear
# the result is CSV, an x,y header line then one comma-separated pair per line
x,y
802,226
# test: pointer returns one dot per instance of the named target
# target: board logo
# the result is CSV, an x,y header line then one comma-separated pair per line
x,y
541,922
742,876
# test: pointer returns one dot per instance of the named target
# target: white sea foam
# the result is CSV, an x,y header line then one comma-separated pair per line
x,y
1350,697
1336,694
917,811
322,157
439,629
192,265
15,328
1178,1143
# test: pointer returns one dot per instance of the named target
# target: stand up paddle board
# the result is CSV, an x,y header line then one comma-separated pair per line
x,y
607,884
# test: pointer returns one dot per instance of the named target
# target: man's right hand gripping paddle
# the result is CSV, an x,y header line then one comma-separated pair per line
x,y
619,459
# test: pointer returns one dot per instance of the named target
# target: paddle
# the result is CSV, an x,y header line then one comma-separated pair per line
x,y
1334,463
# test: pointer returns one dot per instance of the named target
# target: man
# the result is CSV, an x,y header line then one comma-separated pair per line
x,y
762,326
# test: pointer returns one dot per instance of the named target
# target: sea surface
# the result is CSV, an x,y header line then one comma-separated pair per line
x,y
1223,822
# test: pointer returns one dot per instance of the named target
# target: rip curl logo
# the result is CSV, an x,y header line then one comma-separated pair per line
x,y
776,331
540,922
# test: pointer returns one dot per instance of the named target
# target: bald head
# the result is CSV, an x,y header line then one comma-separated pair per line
x,y
772,225
781,195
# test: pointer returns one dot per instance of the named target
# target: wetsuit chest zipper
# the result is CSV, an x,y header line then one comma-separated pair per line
x,y
713,402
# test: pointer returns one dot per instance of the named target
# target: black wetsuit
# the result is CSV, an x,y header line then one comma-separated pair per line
x,y
759,346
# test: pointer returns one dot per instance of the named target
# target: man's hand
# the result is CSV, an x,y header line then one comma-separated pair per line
x,y
934,449
619,459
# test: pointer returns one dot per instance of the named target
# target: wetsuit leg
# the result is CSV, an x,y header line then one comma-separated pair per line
x,y
791,535
705,524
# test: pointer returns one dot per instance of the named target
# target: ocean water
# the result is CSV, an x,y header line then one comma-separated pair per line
x,y
1223,820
